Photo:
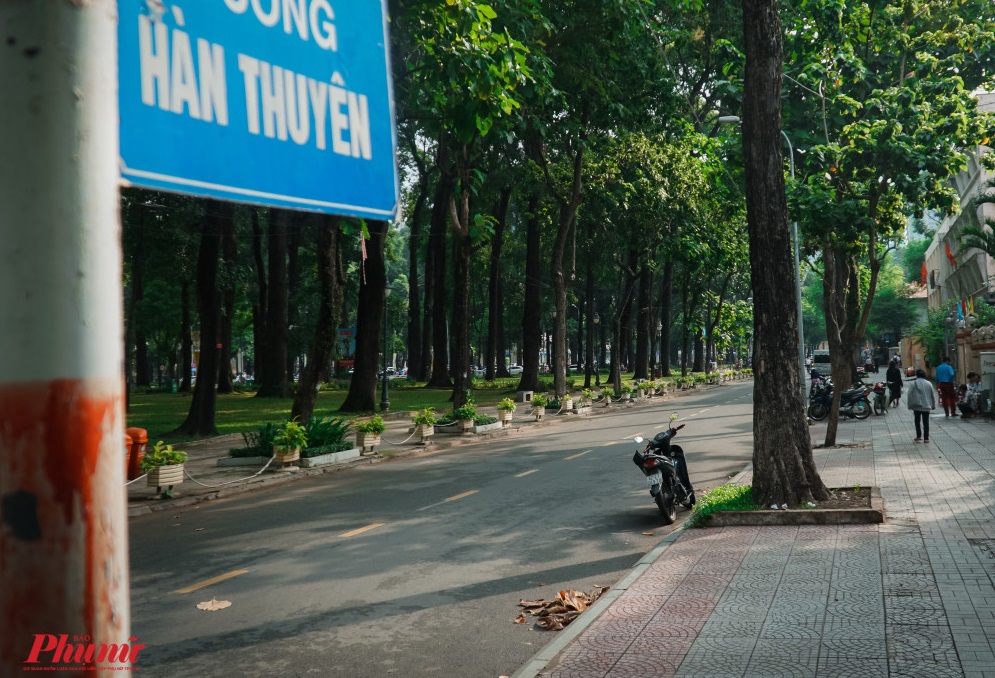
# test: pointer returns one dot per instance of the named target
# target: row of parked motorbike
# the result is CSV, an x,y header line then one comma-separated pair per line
x,y
856,403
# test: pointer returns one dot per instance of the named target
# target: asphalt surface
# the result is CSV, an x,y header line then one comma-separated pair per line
x,y
414,567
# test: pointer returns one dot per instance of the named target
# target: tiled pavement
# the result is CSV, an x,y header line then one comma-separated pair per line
x,y
914,596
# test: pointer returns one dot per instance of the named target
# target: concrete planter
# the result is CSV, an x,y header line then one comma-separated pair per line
x,y
582,409
165,476
284,457
483,428
465,425
505,416
367,441
424,431
330,458
566,405
538,412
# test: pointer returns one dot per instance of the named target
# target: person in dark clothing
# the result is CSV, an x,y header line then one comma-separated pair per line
x,y
894,379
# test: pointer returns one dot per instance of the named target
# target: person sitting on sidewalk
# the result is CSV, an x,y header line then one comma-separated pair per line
x,y
968,405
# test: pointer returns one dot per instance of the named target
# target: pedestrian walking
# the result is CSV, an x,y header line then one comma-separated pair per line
x,y
945,385
921,401
894,379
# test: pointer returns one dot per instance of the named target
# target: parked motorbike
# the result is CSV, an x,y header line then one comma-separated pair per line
x,y
666,472
853,403
880,398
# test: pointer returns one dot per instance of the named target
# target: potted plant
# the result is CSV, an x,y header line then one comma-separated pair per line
x,y
164,467
424,423
368,432
539,403
465,414
607,393
626,392
566,403
588,396
288,442
506,409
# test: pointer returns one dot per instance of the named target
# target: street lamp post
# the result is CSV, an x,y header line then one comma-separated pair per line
x,y
384,402
733,120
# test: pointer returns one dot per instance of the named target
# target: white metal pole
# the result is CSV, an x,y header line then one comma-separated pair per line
x,y
63,539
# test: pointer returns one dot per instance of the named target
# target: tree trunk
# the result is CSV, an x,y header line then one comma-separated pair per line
x,y
440,330
326,330
186,339
666,305
699,351
200,419
568,217
296,224
416,367
532,312
274,369
229,255
259,308
362,396
784,471
643,332
425,360
494,312
589,354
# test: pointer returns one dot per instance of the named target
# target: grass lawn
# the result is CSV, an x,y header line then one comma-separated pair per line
x,y
160,413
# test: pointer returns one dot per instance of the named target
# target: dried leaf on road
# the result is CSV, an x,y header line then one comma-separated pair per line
x,y
567,606
649,534
213,605
520,619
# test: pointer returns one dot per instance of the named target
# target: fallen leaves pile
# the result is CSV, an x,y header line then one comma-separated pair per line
x,y
555,614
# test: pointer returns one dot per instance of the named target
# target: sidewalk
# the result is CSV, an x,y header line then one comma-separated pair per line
x,y
914,596
209,481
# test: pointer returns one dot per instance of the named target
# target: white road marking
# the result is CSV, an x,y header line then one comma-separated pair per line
x,y
522,475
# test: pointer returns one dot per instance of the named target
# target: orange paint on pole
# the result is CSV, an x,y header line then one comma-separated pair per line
x,y
61,560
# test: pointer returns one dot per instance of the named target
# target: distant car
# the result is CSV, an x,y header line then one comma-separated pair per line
x,y
515,369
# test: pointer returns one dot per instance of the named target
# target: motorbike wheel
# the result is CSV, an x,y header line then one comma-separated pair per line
x,y
878,406
818,411
667,505
861,409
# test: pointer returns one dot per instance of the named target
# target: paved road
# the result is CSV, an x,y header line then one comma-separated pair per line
x,y
414,567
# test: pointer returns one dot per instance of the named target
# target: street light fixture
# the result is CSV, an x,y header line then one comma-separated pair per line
x,y
384,402
734,120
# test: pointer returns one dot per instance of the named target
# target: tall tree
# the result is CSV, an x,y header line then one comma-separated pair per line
x,y
326,329
369,321
784,470
200,419
273,370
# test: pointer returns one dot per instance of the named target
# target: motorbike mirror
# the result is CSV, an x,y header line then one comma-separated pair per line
x,y
638,439
673,416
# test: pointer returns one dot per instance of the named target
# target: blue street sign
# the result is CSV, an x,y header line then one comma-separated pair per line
x,y
285,103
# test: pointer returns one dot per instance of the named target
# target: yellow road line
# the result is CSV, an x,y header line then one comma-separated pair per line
x,y
213,580
579,454
361,530
522,475
465,494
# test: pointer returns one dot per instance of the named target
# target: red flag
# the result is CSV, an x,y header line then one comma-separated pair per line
x,y
924,273
950,256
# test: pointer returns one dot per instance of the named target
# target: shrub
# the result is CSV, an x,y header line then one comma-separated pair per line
x,y
539,400
507,405
291,435
467,411
425,418
588,394
729,497
375,425
325,432
607,392
257,443
162,454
